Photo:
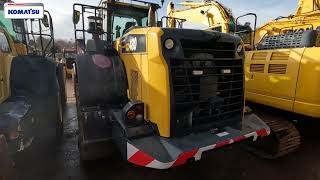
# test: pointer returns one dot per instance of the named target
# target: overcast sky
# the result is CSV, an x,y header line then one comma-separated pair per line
x,y
61,10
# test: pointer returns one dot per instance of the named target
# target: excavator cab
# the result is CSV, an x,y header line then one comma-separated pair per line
x,y
37,34
245,31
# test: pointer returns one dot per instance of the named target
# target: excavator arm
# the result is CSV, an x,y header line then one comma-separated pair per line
x,y
208,13
306,6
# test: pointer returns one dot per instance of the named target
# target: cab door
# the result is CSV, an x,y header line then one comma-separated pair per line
x,y
6,55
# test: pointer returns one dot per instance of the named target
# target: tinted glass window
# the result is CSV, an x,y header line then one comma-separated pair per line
x,y
4,44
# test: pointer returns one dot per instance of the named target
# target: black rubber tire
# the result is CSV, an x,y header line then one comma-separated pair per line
x,y
108,85
59,122
62,87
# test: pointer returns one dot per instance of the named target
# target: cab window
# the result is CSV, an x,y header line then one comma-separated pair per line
x,y
7,25
4,43
122,24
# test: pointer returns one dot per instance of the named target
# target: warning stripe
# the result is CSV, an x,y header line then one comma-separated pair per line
x,y
141,159
183,158
136,156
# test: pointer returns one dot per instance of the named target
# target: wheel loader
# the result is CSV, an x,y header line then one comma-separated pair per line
x,y
161,96
68,60
30,94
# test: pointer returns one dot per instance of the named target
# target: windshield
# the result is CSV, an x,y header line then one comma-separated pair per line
x,y
122,23
7,25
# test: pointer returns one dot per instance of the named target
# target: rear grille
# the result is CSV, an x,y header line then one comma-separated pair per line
x,y
217,50
290,40
277,68
259,68
262,56
280,56
206,91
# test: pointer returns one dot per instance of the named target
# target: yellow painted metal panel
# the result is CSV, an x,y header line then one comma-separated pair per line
x,y
307,100
269,100
158,84
5,68
255,81
148,78
275,87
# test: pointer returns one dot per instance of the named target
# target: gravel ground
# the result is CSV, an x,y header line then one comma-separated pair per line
x,y
62,162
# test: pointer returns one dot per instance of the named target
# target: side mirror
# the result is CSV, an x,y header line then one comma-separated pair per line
x,y
76,17
45,21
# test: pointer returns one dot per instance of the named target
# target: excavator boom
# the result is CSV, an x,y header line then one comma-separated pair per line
x,y
306,6
211,14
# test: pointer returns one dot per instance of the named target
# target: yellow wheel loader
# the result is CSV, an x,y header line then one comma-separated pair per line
x,y
69,56
162,96
30,95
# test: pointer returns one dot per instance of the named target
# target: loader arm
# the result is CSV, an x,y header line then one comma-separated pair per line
x,y
211,14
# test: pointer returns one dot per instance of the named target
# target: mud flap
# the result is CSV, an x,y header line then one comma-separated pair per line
x,y
163,153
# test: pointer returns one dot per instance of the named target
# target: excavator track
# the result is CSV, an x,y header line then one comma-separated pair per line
x,y
284,138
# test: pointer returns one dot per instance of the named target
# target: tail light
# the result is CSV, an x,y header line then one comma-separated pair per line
x,y
134,113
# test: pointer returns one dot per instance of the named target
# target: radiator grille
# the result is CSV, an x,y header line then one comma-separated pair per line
x,y
277,68
259,56
217,50
259,68
291,40
280,56
206,91
298,39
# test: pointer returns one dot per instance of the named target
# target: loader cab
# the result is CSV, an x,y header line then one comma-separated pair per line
x,y
110,21
37,35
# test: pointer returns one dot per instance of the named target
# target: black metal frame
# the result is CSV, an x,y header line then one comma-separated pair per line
x,y
255,26
85,7
41,34
27,34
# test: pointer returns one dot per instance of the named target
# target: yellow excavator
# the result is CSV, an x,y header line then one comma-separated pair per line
x,y
282,70
281,61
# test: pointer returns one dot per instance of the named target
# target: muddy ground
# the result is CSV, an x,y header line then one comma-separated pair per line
x,y
62,163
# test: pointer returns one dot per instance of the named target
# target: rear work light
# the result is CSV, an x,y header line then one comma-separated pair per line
x,y
134,113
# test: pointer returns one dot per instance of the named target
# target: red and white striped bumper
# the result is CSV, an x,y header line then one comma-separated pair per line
x,y
164,153
138,157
